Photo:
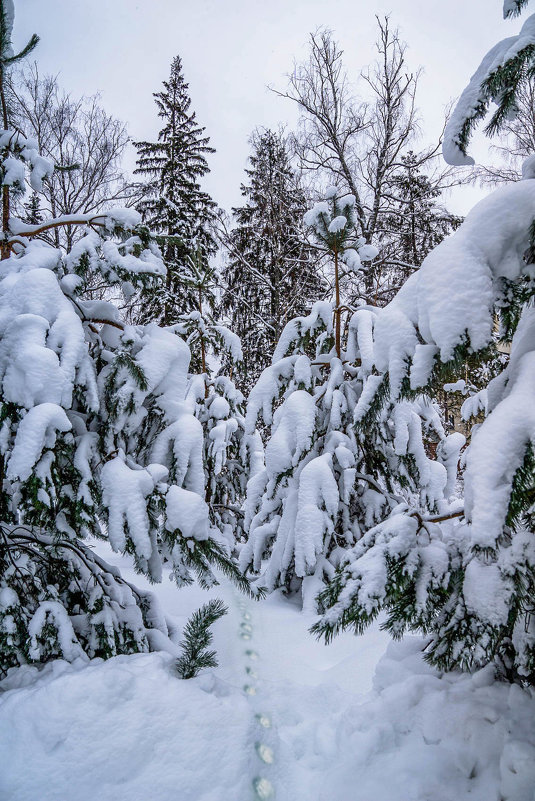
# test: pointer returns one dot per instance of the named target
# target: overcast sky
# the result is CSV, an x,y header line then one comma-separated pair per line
x,y
232,50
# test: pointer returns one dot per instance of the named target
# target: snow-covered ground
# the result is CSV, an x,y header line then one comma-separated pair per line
x,y
303,721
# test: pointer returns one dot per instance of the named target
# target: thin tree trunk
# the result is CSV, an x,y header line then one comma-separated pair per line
x,y
203,349
337,313
5,249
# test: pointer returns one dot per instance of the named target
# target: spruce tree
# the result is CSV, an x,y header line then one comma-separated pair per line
x,y
197,637
32,209
271,275
95,436
333,468
174,206
415,224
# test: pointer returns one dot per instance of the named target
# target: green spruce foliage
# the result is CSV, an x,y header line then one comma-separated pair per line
x,y
197,637
498,79
272,274
174,206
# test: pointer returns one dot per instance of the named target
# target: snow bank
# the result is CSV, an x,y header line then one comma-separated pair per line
x,y
134,731
128,728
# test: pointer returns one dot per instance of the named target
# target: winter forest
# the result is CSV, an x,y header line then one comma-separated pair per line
x,y
267,471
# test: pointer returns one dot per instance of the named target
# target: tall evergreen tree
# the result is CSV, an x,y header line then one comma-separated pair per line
x,y
174,206
415,224
271,276
95,436
333,468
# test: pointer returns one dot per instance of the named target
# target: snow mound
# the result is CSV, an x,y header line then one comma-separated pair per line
x,y
134,729
128,728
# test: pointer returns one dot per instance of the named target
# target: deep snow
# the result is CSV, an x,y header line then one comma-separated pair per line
x,y
329,729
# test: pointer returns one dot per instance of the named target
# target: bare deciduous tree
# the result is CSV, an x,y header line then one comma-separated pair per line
x,y
358,143
78,135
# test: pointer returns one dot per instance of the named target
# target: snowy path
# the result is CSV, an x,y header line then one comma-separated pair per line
x,y
261,722
312,730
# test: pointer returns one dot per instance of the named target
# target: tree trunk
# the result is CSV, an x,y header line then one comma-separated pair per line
x,y
5,249
337,313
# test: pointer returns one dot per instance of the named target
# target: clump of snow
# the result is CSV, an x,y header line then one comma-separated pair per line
x,y
14,172
505,433
368,252
231,342
37,431
337,224
352,259
25,154
125,218
313,215
489,244
448,453
457,386
187,513
43,343
124,493
180,448
528,168
69,645
317,504
320,317
294,425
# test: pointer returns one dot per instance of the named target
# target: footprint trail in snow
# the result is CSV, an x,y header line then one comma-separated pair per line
x,y
263,730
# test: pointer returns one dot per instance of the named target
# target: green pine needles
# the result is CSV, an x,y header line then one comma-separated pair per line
x,y
197,638
498,79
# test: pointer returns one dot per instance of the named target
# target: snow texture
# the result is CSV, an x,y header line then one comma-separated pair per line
x,y
124,493
187,512
37,431
414,735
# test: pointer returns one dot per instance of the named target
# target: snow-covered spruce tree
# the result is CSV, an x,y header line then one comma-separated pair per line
x,y
271,274
95,438
414,225
174,206
468,582
229,455
332,468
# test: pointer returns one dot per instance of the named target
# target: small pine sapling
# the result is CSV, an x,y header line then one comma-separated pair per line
x,y
197,637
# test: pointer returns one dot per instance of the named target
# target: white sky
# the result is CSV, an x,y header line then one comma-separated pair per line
x,y
232,49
